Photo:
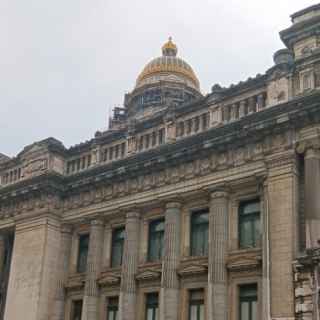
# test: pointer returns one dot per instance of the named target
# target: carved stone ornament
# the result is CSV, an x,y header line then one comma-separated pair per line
x,y
244,261
75,282
110,279
149,274
193,270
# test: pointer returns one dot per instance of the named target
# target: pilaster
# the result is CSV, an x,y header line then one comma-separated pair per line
x,y
169,306
128,288
91,290
218,239
312,199
282,188
62,272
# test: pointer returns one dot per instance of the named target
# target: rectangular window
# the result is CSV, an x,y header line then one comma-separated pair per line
x,y
152,306
249,224
112,308
147,141
123,149
161,136
196,305
111,153
156,236
154,138
199,233
248,301
83,253
117,247
76,311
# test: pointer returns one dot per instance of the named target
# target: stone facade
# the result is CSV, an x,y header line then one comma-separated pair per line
x,y
148,219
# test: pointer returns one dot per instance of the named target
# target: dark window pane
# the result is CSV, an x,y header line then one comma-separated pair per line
x,y
196,304
199,233
117,247
248,298
83,253
156,236
76,310
249,224
112,309
152,306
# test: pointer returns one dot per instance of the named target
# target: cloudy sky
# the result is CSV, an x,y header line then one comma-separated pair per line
x,y
65,64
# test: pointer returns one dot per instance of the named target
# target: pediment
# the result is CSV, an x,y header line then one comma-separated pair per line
x,y
149,274
244,262
193,269
109,279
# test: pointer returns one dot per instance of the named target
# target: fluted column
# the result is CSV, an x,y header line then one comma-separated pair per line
x,y
62,272
91,290
312,199
265,252
2,252
252,102
129,268
218,238
242,109
170,282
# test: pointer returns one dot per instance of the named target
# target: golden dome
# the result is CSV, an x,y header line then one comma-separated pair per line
x,y
168,68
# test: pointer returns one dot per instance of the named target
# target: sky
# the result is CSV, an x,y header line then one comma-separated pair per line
x,y
64,65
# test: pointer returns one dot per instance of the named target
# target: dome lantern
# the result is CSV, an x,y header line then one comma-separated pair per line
x,y
169,48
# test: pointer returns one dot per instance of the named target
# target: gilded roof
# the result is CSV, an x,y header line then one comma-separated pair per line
x,y
168,64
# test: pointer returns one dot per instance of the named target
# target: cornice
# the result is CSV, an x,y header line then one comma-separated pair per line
x,y
202,153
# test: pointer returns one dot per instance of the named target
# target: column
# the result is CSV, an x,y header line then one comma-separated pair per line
x,y
252,101
217,273
242,109
128,288
283,214
312,199
265,253
34,269
233,112
169,300
2,252
91,289
62,272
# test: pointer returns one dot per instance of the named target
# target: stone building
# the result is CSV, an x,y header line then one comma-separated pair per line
x,y
190,206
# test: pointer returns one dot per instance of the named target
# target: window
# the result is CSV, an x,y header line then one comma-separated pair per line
x,y
248,302
156,234
196,305
152,306
199,233
249,224
161,136
83,252
117,247
154,138
112,308
76,310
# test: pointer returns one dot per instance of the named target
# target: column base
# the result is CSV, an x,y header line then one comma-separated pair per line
x,y
169,304
127,306
217,301
90,310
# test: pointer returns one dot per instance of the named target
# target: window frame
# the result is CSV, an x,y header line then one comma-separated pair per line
x,y
249,299
73,308
82,267
197,303
117,241
254,218
154,306
158,237
204,227
114,307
